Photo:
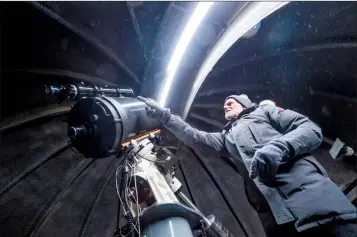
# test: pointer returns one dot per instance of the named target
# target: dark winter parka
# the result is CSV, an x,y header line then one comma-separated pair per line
x,y
303,193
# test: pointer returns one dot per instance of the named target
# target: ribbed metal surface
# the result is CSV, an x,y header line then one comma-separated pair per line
x,y
42,180
29,116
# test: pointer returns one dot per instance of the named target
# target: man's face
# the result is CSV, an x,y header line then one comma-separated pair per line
x,y
232,109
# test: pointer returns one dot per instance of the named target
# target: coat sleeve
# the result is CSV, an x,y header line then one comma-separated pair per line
x,y
190,135
301,135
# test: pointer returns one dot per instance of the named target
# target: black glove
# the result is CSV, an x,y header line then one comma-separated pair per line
x,y
266,161
155,110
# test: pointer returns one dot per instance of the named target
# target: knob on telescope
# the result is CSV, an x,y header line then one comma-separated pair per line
x,y
76,130
53,90
60,91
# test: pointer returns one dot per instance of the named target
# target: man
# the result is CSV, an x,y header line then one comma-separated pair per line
x,y
288,188
267,102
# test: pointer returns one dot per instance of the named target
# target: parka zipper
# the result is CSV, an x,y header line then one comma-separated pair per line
x,y
281,193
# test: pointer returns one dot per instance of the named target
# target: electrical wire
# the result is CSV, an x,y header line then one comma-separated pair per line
x,y
121,234
137,204
127,207
118,192
116,185
126,195
121,201
126,198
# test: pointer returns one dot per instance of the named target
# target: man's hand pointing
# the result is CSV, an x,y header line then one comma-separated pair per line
x,y
155,110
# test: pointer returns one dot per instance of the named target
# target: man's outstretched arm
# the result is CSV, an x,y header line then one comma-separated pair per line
x,y
182,130
190,135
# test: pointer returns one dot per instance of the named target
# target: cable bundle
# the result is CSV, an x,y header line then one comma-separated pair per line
x,y
124,199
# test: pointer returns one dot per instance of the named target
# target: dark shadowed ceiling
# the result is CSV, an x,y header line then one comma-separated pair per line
x,y
303,57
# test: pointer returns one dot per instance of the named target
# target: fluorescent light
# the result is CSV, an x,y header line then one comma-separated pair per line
x,y
251,15
190,29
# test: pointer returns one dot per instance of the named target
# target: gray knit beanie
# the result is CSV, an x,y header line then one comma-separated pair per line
x,y
242,99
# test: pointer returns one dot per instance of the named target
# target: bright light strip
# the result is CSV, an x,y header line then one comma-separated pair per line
x,y
244,21
190,29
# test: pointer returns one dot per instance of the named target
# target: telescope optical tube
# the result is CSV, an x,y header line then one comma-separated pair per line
x,y
99,125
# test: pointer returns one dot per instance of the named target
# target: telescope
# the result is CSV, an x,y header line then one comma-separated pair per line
x,y
109,121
